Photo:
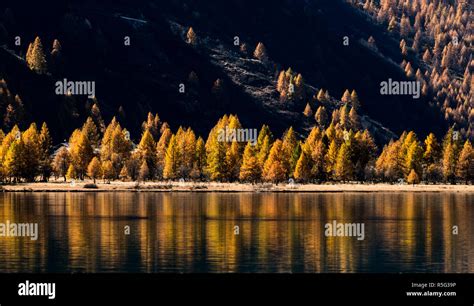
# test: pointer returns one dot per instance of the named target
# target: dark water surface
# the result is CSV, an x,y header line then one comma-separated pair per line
x,y
278,232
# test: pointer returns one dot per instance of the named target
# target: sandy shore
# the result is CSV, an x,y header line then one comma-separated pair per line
x,y
228,187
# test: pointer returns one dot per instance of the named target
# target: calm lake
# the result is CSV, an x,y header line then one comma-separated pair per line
x,y
277,232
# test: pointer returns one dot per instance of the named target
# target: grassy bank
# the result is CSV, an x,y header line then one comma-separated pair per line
x,y
87,186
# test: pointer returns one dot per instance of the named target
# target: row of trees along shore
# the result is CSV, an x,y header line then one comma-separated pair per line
x,y
338,152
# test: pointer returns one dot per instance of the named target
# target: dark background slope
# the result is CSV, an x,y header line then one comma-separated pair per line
x,y
304,35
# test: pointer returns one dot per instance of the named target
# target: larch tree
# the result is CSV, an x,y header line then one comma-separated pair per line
x,y
413,177
81,152
354,119
449,163
94,169
275,169
321,117
331,158
346,97
265,148
260,52
161,148
250,169
36,59
343,169
303,167
355,100
289,146
465,165
61,162
45,143
199,166
90,129
71,172
108,172
144,173
171,170
153,125
146,149
97,117
308,112
191,37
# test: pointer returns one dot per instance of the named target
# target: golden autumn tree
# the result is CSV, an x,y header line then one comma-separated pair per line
x,y
71,172
161,148
94,169
81,152
45,143
260,52
108,172
61,162
146,150
250,170
35,57
343,169
465,165
191,37
413,178
290,147
216,151
303,167
144,172
308,112
171,170
275,169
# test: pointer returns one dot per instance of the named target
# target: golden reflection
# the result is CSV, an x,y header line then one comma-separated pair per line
x,y
238,232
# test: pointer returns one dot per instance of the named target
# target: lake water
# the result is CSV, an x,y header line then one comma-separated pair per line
x,y
277,232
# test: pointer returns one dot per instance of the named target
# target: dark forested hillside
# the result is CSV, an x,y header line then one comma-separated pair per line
x,y
139,54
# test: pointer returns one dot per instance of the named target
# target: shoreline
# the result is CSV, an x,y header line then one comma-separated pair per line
x,y
231,187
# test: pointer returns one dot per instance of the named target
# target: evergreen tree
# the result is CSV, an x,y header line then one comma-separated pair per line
x,y
274,169
199,166
346,97
413,177
45,143
413,158
94,169
354,120
308,112
449,163
191,37
36,59
133,166
260,52
465,165
303,167
108,172
250,169
153,125
81,152
343,169
289,146
355,100
146,149
97,117
432,150
124,173
331,158
161,148
71,172
171,170
61,162
144,171
321,117
90,129
264,151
